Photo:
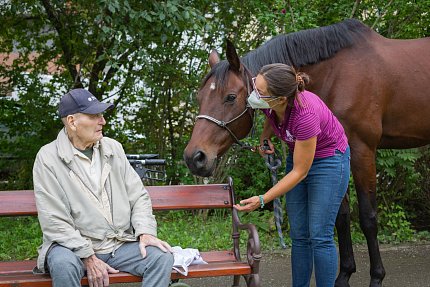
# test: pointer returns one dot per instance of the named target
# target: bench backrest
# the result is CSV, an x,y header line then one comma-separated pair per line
x,y
169,197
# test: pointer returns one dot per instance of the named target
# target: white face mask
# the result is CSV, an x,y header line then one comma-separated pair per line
x,y
257,103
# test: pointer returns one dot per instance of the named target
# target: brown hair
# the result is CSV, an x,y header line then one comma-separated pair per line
x,y
283,80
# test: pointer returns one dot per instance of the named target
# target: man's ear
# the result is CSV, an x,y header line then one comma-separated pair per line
x,y
71,122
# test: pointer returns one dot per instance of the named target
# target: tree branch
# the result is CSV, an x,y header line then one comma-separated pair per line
x,y
354,9
96,69
381,14
67,51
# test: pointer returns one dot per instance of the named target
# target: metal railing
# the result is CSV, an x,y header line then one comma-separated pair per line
x,y
141,162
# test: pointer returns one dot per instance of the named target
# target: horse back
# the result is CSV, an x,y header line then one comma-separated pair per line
x,y
380,90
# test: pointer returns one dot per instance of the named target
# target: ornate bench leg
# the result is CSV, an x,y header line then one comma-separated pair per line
x,y
252,280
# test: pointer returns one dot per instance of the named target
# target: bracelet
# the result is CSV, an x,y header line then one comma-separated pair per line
x,y
261,201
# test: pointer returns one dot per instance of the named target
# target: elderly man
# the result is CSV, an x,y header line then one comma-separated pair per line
x,y
95,214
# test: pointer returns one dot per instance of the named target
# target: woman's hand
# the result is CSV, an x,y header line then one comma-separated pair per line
x,y
266,134
248,204
264,149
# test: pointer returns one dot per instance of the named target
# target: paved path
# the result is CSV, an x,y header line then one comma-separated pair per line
x,y
406,266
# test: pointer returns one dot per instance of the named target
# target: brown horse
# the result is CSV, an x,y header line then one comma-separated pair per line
x,y
378,88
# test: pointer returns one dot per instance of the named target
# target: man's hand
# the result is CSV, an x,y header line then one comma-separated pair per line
x,y
248,204
147,240
97,271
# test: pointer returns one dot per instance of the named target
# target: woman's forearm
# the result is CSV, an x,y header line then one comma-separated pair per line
x,y
287,183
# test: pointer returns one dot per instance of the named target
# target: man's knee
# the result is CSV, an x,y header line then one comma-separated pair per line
x,y
161,259
166,259
63,261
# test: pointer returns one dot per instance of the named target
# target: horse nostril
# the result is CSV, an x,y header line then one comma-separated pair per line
x,y
199,159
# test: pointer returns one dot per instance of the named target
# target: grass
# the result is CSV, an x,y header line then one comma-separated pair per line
x,y
20,236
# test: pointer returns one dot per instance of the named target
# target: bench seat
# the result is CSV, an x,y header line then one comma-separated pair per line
x,y
220,263
172,197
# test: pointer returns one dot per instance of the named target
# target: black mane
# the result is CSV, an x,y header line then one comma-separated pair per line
x,y
298,49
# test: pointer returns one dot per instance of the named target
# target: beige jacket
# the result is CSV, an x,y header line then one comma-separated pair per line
x,y
67,215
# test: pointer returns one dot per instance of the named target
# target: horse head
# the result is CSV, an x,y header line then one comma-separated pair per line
x,y
224,116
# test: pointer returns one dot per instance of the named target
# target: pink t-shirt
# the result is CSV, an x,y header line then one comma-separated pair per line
x,y
308,118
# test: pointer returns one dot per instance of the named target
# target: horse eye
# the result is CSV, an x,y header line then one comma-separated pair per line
x,y
230,98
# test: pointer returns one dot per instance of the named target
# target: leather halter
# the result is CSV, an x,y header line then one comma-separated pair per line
x,y
223,124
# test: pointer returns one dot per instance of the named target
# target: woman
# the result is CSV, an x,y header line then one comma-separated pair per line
x,y
317,169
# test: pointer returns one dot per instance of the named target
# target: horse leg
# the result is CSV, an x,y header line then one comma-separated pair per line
x,y
347,262
363,168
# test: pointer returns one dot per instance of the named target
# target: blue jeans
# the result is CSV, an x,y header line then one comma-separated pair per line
x,y
67,269
312,207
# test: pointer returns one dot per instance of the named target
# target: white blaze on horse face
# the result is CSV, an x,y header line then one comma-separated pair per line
x,y
213,86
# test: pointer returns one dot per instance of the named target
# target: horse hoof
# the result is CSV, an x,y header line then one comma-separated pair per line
x,y
375,283
342,281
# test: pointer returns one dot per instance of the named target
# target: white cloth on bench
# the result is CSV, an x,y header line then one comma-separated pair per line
x,y
184,258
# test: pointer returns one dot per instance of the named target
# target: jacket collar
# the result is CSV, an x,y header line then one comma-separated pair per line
x,y
65,149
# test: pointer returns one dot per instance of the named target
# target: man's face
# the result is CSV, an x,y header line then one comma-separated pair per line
x,y
87,129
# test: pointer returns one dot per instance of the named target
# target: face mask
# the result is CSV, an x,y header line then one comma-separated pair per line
x,y
257,103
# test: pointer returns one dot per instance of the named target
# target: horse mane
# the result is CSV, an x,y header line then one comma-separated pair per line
x,y
298,49
306,47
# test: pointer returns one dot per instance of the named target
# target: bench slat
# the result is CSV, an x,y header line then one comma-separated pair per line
x,y
190,196
195,271
16,203
21,203
10,267
221,263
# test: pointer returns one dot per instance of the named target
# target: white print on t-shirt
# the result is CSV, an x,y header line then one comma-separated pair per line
x,y
289,137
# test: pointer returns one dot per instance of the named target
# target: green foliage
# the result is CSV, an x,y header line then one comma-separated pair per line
x,y
19,238
396,227
185,229
397,183
265,223
417,204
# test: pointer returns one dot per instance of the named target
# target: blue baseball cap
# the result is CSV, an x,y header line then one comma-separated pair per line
x,y
81,101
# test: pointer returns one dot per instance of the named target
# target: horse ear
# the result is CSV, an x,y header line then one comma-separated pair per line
x,y
213,58
232,57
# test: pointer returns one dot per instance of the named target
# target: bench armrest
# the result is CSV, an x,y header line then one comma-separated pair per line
x,y
253,251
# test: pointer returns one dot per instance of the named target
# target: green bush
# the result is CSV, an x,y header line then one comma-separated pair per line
x,y
396,227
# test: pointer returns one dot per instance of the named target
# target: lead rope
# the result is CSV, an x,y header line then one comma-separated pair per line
x,y
273,162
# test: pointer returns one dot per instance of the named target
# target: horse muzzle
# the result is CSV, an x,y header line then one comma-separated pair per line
x,y
199,163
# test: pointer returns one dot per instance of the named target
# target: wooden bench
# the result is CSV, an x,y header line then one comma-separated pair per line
x,y
172,197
